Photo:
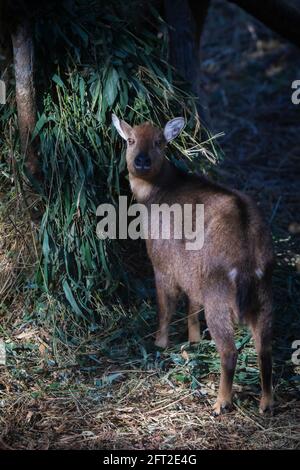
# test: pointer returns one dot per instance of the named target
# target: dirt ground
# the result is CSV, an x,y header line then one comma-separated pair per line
x,y
131,400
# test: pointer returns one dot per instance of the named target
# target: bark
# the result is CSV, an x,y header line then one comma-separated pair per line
x,y
199,11
279,15
186,20
23,53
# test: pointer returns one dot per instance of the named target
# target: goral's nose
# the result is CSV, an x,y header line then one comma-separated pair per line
x,y
142,162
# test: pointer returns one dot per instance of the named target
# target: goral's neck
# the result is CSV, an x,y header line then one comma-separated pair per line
x,y
142,189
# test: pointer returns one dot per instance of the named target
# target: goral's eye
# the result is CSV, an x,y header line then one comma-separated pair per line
x,y
158,143
130,141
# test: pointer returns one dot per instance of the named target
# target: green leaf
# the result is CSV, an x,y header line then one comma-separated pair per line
x,y
111,86
82,91
70,297
58,80
39,125
46,247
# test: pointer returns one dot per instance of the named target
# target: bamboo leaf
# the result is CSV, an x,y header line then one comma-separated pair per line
x,y
71,299
111,86
58,80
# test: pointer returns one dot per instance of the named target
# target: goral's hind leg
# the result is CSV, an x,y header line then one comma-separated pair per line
x,y
221,329
261,327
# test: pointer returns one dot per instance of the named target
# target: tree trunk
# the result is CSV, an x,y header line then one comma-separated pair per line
x,y
5,53
199,11
23,53
279,15
186,20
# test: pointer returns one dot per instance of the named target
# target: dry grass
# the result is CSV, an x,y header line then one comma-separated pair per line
x,y
19,249
80,407
108,389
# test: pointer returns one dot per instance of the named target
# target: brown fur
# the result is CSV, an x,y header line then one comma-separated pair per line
x,y
236,238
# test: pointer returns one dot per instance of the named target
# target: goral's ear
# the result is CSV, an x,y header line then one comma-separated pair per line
x,y
173,128
124,129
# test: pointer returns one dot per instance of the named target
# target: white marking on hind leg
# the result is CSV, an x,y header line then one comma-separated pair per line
x,y
259,273
232,274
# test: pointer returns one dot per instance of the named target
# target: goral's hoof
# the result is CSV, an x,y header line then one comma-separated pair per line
x,y
161,343
221,407
266,405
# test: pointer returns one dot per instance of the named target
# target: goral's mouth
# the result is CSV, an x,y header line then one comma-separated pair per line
x,y
142,171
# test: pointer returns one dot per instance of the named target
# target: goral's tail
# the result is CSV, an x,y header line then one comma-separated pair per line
x,y
246,294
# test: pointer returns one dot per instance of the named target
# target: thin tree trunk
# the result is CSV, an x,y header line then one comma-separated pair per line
x,y
199,11
23,53
186,20
5,53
